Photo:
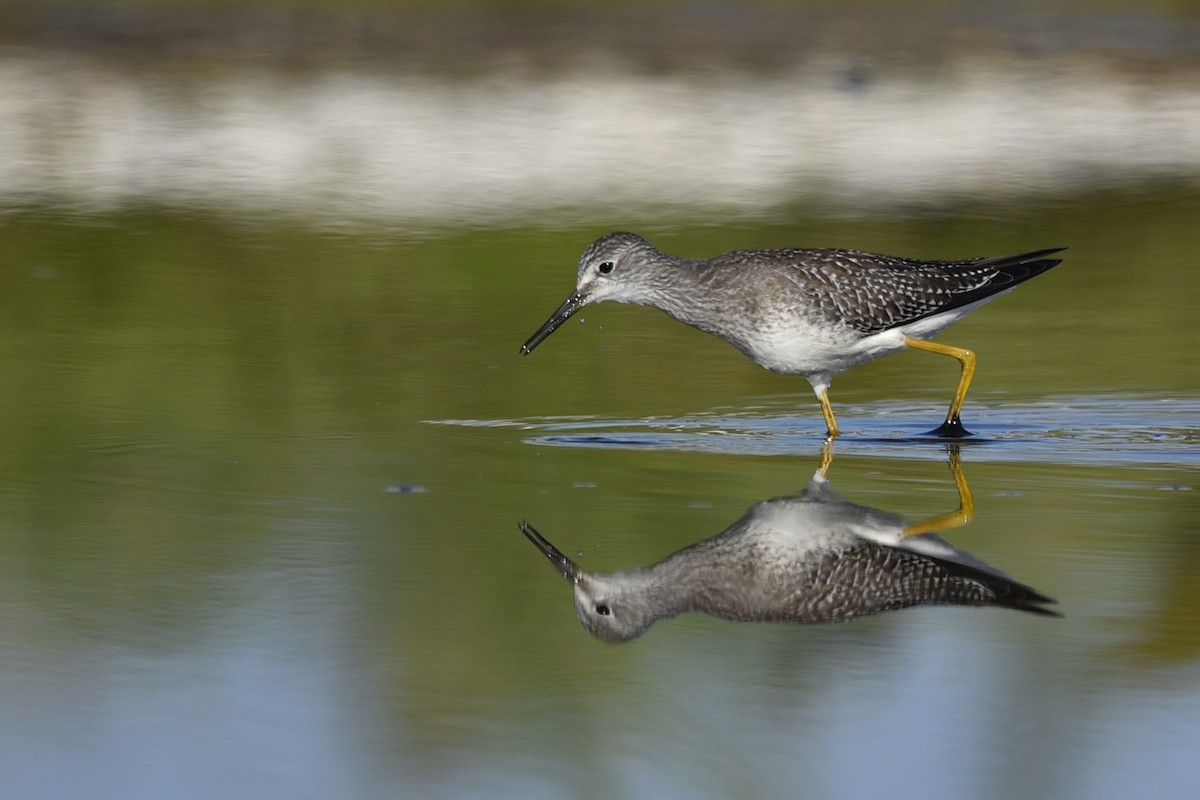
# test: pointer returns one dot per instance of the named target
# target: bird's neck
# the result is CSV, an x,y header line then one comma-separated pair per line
x,y
660,591
682,288
692,580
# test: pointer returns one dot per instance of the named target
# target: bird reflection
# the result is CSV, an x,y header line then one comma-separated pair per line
x,y
809,558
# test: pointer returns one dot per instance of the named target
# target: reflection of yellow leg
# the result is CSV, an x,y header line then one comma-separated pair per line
x,y
827,410
826,459
954,519
966,358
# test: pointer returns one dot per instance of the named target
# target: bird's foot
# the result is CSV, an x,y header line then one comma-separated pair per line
x,y
952,428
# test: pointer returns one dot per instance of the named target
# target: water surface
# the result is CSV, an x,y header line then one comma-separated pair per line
x,y
265,455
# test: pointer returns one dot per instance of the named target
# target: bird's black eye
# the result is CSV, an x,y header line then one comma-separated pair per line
x,y
606,267
603,610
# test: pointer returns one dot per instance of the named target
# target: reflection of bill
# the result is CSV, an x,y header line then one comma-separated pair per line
x,y
809,558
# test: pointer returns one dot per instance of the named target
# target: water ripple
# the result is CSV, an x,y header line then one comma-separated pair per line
x,y
1097,429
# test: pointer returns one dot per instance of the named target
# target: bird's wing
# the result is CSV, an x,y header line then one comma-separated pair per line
x,y
870,578
871,292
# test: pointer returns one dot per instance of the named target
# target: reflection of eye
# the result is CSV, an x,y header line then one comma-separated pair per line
x,y
606,267
602,610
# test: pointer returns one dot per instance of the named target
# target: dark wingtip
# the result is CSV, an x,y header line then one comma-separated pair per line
x,y
1029,265
1022,598
1007,593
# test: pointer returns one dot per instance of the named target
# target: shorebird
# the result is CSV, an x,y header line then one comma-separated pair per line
x,y
810,558
814,313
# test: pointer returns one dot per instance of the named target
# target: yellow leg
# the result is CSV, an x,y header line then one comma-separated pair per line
x,y
826,459
953,425
954,519
827,410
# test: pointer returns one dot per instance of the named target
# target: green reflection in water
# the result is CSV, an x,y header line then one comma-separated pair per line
x,y
196,411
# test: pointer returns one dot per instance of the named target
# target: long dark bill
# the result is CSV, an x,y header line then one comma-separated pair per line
x,y
563,564
564,312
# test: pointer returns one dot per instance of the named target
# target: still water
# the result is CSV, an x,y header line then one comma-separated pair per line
x,y
262,489
264,462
